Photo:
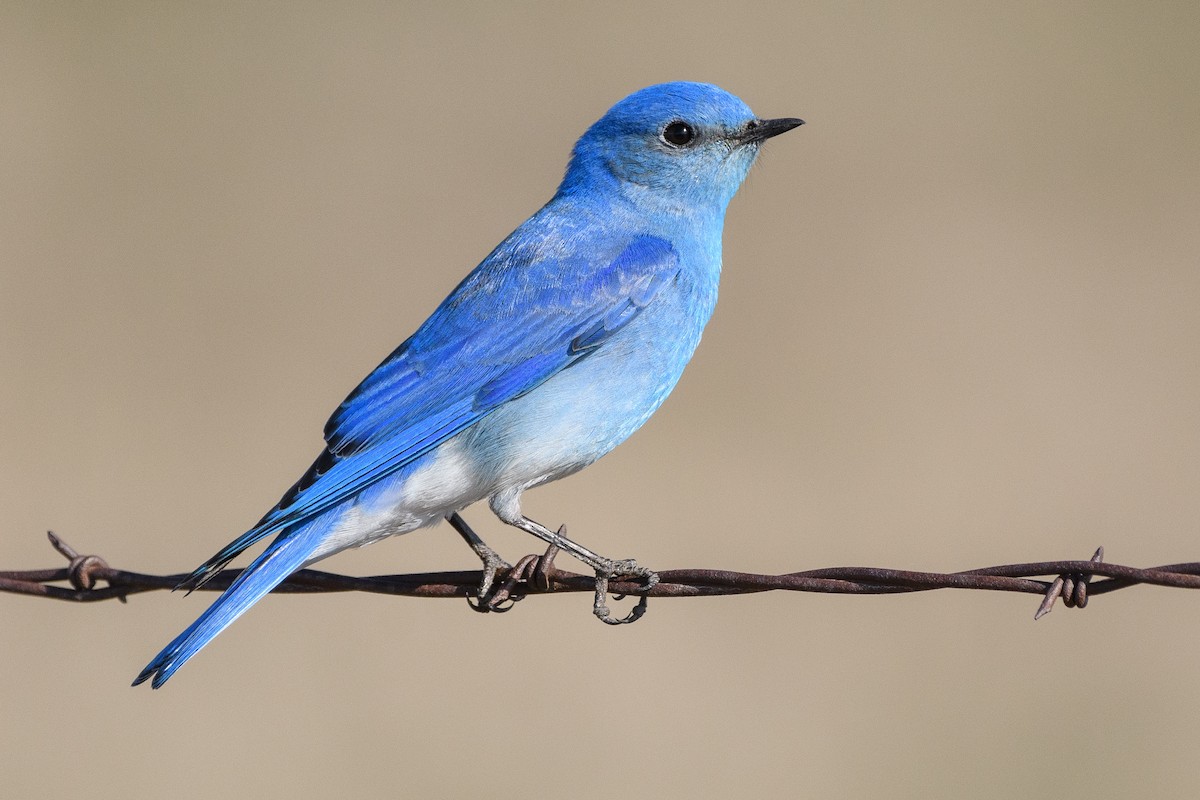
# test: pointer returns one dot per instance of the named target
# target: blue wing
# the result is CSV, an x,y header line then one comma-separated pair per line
x,y
522,316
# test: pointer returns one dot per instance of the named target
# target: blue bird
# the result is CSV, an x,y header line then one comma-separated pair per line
x,y
556,348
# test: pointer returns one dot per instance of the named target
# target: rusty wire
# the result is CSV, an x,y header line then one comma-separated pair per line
x,y
1073,581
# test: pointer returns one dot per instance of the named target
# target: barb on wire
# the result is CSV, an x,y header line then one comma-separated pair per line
x,y
1074,581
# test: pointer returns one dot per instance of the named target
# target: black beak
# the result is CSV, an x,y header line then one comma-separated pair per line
x,y
759,130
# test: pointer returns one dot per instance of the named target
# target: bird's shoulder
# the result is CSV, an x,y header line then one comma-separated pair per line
x,y
559,260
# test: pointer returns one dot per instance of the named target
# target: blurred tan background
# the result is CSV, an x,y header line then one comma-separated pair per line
x,y
960,326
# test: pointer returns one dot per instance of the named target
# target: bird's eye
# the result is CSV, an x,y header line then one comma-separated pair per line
x,y
679,134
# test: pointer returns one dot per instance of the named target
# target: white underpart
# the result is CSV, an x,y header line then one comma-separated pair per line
x,y
447,481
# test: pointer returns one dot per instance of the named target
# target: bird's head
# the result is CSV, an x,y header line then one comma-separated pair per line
x,y
682,146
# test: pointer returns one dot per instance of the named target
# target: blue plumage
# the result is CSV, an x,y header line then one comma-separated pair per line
x,y
557,347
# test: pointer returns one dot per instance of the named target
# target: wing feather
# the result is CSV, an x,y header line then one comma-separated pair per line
x,y
516,321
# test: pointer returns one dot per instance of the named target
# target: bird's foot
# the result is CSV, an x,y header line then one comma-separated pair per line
x,y
531,571
489,596
621,569
492,564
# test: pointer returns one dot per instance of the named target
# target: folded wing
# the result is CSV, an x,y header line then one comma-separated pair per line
x,y
516,321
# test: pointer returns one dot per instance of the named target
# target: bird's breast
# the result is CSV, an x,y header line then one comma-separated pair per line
x,y
586,410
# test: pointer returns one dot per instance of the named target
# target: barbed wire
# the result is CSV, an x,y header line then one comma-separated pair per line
x,y
537,574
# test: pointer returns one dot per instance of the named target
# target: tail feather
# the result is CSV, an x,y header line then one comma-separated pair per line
x,y
283,557
209,569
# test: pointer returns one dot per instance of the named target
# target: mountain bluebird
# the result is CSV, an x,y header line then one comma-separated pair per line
x,y
547,356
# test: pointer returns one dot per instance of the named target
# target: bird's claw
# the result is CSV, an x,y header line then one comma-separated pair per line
x,y
530,571
534,572
622,569
484,601
492,564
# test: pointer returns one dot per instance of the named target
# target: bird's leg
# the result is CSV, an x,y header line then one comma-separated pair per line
x,y
606,568
492,562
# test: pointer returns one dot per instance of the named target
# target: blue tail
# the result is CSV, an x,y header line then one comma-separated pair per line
x,y
284,556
